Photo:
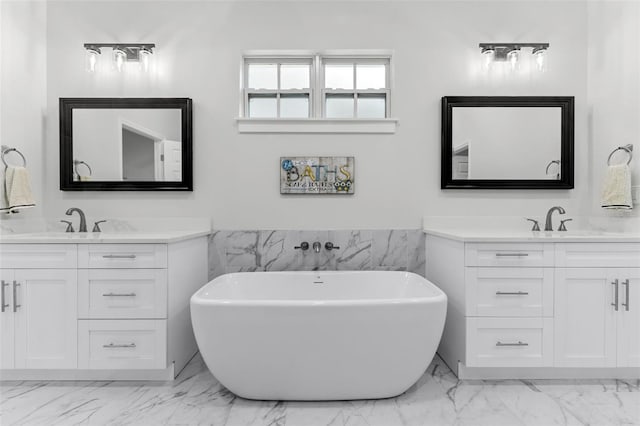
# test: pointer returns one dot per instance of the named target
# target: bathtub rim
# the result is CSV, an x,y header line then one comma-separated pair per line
x,y
198,299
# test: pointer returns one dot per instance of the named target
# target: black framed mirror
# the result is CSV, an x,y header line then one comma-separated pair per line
x,y
507,142
126,144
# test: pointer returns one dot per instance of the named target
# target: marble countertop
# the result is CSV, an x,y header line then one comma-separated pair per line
x,y
132,237
495,236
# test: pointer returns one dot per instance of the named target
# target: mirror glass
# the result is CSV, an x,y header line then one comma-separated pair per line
x,y
507,142
125,144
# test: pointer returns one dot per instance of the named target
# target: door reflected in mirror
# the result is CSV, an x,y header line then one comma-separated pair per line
x,y
125,144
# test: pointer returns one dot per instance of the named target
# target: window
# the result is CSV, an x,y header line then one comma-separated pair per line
x,y
312,89
278,88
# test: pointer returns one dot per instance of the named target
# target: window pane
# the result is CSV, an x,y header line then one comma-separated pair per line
x,y
338,76
294,106
263,106
371,76
263,76
339,106
372,105
294,76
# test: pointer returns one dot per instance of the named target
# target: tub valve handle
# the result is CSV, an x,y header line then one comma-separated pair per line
x,y
329,246
303,246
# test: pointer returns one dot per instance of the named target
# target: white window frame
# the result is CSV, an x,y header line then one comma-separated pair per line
x,y
278,91
355,60
317,122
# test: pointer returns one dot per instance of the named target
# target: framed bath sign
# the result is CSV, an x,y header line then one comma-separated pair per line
x,y
317,175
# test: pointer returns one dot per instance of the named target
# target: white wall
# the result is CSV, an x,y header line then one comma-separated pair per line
x,y
236,175
614,94
23,58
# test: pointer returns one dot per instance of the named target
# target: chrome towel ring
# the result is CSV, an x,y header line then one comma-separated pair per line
x,y
627,148
76,163
5,150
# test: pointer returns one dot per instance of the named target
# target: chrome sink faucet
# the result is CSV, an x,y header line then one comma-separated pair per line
x,y
83,220
317,246
548,226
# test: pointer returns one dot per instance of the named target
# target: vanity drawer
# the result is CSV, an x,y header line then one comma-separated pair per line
x,y
509,342
122,256
509,254
38,256
509,292
122,293
570,255
118,344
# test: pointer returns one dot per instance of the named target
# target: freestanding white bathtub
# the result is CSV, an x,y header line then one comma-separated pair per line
x,y
318,335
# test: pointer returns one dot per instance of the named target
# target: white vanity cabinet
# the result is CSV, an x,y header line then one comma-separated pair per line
x,y
538,309
39,307
99,310
597,294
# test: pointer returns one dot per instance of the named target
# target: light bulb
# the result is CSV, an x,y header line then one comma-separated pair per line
x,y
513,57
92,59
119,57
541,59
145,57
488,56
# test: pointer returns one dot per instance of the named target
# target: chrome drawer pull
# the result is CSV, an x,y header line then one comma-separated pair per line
x,y
113,345
512,293
614,283
15,296
625,283
4,305
119,295
512,254
119,256
512,344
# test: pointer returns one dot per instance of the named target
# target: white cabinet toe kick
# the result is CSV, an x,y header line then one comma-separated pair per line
x,y
98,311
538,310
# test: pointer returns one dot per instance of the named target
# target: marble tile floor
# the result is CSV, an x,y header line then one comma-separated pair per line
x,y
438,399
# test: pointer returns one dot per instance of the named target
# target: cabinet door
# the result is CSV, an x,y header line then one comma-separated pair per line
x,y
46,319
628,316
585,320
6,319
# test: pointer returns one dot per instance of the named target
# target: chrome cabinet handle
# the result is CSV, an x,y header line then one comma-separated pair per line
x,y
15,296
119,295
113,345
614,283
4,305
512,293
512,254
625,283
512,344
119,256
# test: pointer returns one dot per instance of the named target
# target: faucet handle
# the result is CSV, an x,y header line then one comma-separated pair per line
x,y
69,226
562,226
536,225
303,246
329,246
96,226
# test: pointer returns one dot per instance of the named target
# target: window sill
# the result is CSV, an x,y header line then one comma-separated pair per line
x,y
317,125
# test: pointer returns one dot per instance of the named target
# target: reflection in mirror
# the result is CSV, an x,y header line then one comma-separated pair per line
x,y
127,144
506,143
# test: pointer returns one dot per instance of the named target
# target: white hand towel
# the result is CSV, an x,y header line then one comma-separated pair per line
x,y
616,192
17,190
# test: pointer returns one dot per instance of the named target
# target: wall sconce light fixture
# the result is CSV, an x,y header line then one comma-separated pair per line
x,y
122,53
510,52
